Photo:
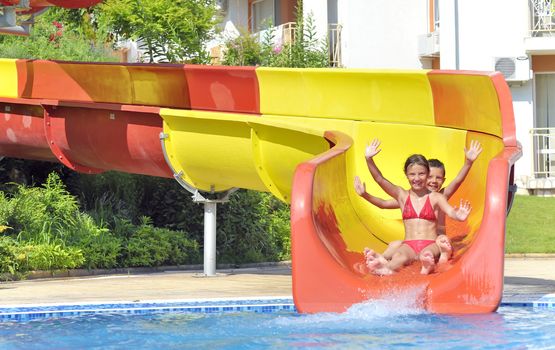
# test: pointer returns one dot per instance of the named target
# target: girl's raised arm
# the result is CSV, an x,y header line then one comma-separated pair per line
x,y
371,150
460,214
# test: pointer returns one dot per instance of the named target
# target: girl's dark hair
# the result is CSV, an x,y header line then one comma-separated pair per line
x,y
417,159
436,163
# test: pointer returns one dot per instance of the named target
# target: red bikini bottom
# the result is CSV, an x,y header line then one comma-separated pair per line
x,y
418,244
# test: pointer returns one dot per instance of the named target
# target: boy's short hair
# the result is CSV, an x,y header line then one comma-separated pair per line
x,y
436,163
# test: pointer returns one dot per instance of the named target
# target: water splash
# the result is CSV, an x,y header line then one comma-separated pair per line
x,y
394,307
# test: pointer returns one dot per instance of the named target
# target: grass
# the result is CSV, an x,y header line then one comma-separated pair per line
x,y
531,225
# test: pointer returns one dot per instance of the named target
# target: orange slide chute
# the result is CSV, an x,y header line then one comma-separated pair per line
x,y
299,134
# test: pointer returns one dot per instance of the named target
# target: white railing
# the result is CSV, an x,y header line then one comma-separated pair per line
x,y
543,140
334,40
285,34
543,17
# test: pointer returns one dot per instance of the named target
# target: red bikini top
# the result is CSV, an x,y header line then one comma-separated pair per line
x,y
426,213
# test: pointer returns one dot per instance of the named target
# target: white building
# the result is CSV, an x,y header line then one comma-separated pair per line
x,y
516,37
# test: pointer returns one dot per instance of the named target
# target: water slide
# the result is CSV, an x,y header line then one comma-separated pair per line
x,y
299,134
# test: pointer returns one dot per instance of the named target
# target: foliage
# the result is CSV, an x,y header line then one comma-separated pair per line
x,y
51,39
252,227
151,246
46,256
247,230
171,30
304,51
100,247
43,228
531,225
8,256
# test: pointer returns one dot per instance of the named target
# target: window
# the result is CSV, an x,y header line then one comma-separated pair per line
x,y
262,14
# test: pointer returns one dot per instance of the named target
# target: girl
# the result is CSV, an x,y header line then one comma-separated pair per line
x,y
420,209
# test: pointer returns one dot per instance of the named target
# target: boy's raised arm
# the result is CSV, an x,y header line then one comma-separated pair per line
x,y
470,156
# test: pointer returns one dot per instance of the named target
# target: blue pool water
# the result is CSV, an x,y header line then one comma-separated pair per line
x,y
371,325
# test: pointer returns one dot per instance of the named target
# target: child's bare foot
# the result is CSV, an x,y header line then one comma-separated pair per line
x,y
445,249
371,255
377,264
361,268
428,263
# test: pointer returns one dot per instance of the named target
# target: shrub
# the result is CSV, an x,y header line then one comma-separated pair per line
x,y
50,40
151,246
100,247
48,257
8,255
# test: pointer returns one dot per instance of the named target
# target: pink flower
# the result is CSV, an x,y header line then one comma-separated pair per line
x,y
277,49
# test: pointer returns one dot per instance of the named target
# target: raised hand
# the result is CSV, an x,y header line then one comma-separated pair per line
x,y
372,149
474,151
360,187
463,210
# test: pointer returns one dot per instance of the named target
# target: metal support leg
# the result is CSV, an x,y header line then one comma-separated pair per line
x,y
209,212
210,238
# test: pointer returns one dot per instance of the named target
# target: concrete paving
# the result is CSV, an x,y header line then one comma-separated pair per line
x,y
525,278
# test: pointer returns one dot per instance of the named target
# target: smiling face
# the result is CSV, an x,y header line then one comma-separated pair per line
x,y
417,175
435,180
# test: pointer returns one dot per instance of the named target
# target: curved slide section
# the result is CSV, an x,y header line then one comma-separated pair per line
x,y
299,134
327,220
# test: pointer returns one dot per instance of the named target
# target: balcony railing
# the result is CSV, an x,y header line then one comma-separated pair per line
x,y
543,17
543,140
334,41
285,34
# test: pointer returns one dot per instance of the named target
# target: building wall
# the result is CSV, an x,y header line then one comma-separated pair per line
x,y
486,29
382,33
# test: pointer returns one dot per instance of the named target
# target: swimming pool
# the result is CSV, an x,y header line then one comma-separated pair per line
x,y
273,324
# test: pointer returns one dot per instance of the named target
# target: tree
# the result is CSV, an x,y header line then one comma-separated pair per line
x,y
170,30
54,36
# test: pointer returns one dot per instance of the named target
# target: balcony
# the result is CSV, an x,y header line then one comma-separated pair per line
x,y
543,180
285,34
542,31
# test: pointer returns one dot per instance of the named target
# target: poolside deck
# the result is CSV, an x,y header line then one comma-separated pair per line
x,y
525,279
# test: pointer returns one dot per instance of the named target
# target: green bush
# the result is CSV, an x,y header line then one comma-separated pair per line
x,y
51,40
46,257
43,227
252,227
101,249
151,246
8,256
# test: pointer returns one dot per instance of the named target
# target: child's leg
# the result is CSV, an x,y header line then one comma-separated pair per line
x,y
444,244
428,257
391,249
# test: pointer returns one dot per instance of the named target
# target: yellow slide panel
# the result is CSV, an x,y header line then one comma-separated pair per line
x,y
399,142
404,96
217,151
455,102
8,74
